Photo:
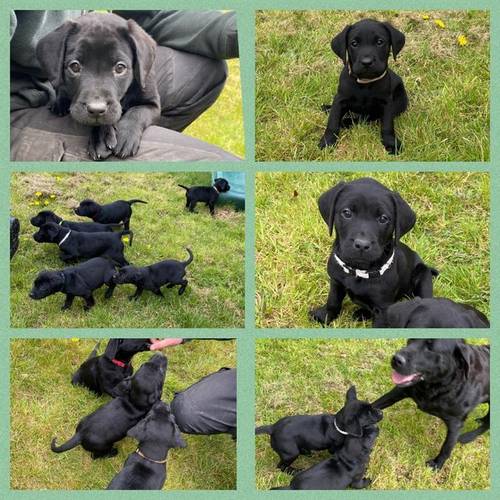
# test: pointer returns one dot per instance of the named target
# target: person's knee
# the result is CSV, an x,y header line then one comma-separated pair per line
x,y
182,412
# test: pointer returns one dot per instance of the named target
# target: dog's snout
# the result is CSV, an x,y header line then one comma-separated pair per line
x,y
366,61
97,108
362,244
398,361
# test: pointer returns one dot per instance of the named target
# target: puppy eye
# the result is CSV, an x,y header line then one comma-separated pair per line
x,y
383,219
120,68
354,43
75,67
380,42
346,213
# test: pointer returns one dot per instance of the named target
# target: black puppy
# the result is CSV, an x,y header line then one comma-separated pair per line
x,y
346,469
101,374
153,277
368,262
430,313
112,213
98,431
301,434
205,194
102,69
367,86
46,216
146,468
446,378
77,281
75,245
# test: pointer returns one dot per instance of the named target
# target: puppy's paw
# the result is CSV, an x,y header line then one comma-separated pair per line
x,y
434,464
131,297
128,139
361,314
394,147
65,307
102,142
329,139
61,106
322,315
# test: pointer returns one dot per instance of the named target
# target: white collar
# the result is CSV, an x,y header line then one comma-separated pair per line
x,y
65,238
363,273
216,189
61,223
345,433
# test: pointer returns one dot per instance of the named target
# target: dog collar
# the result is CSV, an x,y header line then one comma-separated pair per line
x,y
61,223
362,81
119,363
362,273
139,452
344,433
215,189
65,238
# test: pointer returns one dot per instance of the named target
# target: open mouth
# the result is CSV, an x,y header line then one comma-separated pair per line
x,y
405,380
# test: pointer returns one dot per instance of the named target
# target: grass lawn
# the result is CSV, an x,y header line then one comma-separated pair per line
x,y
447,84
293,246
222,124
44,404
162,229
312,376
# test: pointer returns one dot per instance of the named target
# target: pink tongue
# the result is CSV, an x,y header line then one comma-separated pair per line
x,y
397,378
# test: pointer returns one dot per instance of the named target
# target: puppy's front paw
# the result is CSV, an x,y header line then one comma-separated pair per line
x,y
434,464
361,314
102,142
329,139
322,315
128,140
393,147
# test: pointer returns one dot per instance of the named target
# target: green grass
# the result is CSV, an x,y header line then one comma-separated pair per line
x,y
162,229
292,242
447,85
312,376
44,404
222,124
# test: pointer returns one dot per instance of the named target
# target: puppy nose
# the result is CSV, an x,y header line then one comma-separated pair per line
x,y
366,61
398,361
97,108
362,244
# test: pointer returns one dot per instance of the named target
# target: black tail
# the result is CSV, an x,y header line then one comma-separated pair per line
x,y
187,262
131,202
68,445
263,429
93,354
467,437
127,232
184,187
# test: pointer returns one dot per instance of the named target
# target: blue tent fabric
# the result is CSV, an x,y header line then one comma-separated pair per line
x,y
236,195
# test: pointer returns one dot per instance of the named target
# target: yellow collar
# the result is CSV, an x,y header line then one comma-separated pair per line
x,y
139,452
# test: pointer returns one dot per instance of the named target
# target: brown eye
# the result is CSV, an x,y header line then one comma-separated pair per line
x,y
383,219
346,213
120,68
75,67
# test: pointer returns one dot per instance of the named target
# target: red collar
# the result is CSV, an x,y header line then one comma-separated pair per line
x,y
119,363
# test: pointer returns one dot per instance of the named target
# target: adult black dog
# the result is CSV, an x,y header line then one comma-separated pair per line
x,y
101,374
77,245
205,194
112,213
46,216
98,431
146,468
367,86
77,281
368,262
346,469
102,69
430,313
446,378
167,272
301,434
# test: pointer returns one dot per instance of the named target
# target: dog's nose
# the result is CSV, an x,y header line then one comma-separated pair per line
x,y
362,244
96,108
398,361
366,61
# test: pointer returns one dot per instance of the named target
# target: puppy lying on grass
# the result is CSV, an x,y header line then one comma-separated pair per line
x,y
167,272
205,194
46,216
76,281
146,468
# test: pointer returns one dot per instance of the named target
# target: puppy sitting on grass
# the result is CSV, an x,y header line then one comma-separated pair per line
x,y
205,194
167,272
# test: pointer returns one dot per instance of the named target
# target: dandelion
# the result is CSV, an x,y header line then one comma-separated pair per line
x,y
58,178
439,23
426,17
75,339
52,196
45,202
126,239
38,194
462,40
36,203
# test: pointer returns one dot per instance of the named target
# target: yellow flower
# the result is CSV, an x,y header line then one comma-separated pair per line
x,y
38,194
36,203
126,239
462,40
58,177
439,23
75,339
426,17
46,202
52,196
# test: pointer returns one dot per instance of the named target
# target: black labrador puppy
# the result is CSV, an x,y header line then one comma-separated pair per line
x,y
77,281
301,434
167,272
146,468
102,69
75,245
345,470
110,423
430,313
367,87
101,374
205,194
112,213
446,378
368,262
46,216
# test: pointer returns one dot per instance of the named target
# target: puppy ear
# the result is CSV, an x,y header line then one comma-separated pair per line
x,y
51,49
351,394
397,39
463,355
405,216
144,48
112,348
123,388
326,204
339,43
138,431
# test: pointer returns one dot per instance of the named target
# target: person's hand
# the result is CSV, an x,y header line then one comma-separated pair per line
x,y
157,344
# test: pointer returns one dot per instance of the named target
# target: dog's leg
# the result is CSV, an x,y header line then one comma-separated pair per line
x,y
285,466
137,294
332,131
392,145
68,302
362,314
89,302
110,290
184,284
192,205
392,397
158,292
360,482
126,224
211,206
453,430
422,281
467,437
326,314
111,452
